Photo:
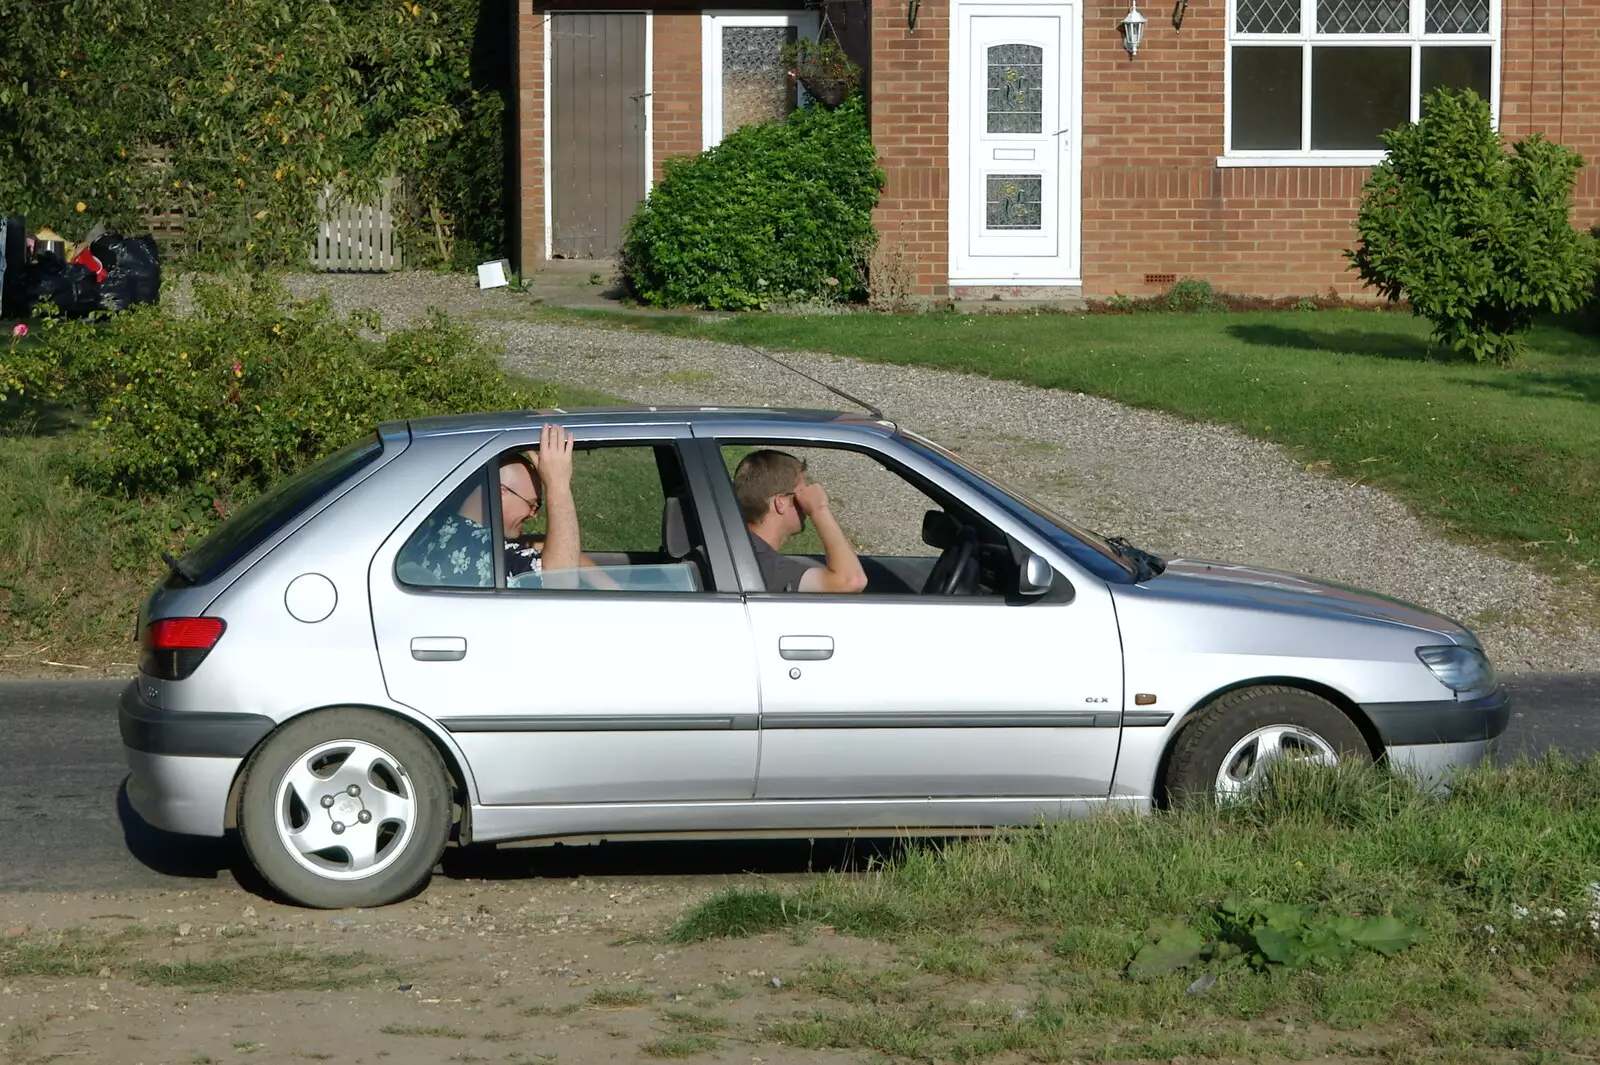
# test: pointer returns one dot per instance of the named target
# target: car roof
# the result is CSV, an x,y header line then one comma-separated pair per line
x,y
489,421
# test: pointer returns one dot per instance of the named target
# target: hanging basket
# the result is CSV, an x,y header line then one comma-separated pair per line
x,y
830,91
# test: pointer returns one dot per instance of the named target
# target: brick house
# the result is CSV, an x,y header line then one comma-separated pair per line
x,y
1027,153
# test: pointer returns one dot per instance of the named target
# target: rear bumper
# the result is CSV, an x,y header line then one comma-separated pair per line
x,y
1442,721
182,764
187,732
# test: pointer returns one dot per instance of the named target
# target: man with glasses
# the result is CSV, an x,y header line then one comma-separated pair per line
x,y
455,549
775,499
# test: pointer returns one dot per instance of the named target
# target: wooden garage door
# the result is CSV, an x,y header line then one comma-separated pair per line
x,y
597,131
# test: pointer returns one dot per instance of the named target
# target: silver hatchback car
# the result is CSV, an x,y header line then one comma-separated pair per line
x,y
352,712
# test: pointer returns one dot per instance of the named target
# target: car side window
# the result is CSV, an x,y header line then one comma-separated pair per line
x,y
452,548
638,530
898,530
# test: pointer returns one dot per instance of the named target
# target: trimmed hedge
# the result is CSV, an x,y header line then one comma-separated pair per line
x,y
780,211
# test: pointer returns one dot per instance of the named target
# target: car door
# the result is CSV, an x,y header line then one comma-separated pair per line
x,y
905,695
580,695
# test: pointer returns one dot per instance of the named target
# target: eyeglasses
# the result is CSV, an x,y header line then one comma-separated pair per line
x,y
533,504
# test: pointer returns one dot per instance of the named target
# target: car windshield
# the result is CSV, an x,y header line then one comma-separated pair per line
x,y
1099,544
271,511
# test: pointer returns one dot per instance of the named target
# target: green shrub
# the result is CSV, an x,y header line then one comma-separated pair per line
x,y
1478,240
248,389
1190,294
777,211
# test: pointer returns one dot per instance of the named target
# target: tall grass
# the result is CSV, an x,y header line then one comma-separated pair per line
x,y
1497,875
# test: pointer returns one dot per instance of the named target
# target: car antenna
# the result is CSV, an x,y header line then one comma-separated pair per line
x,y
863,404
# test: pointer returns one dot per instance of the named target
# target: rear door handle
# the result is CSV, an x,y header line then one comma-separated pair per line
x,y
438,648
805,648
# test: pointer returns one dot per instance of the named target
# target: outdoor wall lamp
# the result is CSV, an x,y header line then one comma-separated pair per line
x,y
1133,28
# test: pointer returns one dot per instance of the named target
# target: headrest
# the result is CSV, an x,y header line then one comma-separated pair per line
x,y
674,529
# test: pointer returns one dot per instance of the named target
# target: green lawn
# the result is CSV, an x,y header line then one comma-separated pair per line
x,y
1505,456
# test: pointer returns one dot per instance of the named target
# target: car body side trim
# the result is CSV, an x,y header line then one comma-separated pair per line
x,y
847,719
1145,718
187,732
603,723
1441,720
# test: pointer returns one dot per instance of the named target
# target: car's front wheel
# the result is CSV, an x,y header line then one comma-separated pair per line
x,y
1227,748
346,807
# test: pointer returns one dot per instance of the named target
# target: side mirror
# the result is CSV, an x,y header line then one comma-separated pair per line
x,y
939,529
1036,576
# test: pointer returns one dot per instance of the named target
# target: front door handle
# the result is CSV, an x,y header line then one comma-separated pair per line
x,y
438,648
805,648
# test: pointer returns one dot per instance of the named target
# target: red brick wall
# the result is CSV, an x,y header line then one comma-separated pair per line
x,y
1550,83
1155,202
911,128
529,223
677,86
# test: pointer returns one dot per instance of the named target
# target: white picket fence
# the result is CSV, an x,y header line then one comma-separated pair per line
x,y
357,236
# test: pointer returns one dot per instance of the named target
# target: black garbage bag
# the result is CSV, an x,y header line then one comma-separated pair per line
x,y
133,270
70,286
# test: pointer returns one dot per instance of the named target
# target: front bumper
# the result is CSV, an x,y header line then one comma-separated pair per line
x,y
182,764
1441,721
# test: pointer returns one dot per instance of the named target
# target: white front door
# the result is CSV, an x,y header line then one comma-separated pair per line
x,y
1014,189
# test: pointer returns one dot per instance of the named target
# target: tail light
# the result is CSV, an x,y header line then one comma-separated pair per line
x,y
171,649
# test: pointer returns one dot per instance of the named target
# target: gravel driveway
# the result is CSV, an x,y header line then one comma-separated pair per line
x,y
1176,487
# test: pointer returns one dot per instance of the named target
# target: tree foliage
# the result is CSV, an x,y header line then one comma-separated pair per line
x,y
1479,240
238,113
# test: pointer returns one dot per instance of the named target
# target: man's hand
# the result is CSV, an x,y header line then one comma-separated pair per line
x,y
812,499
843,572
553,460
562,549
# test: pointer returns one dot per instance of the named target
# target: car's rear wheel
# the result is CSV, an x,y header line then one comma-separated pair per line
x,y
345,807
1226,749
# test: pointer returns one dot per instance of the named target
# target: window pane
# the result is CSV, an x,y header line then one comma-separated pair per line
x,y
618,494
452,548
250,527
1363,16
635,538
1013,201
1016,88
1267,92
756,86
1268,16
1356,94
1456,68
1457,16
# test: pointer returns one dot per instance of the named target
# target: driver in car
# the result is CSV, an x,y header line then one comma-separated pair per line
x,y
775,499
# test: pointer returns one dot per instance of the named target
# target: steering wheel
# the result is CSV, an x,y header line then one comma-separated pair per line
x,y
950,574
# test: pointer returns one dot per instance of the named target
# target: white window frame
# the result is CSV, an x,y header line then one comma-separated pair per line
x,y
1416,38
806,23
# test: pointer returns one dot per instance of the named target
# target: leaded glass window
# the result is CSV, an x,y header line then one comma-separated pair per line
x,y
1016,88
1363,16
1014,201
1457,16
1267,16
1326,78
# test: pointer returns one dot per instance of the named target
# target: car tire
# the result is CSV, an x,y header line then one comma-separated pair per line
x,y
1230,733
345,807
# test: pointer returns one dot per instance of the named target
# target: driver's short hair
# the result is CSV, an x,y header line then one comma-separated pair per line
x,y
761,475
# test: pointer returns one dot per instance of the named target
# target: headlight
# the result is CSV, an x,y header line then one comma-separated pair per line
x,y
1461,669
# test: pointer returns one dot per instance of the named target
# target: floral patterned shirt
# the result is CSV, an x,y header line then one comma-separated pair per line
x,y
454,552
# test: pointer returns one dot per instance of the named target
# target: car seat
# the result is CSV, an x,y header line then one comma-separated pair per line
x,y
678,544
